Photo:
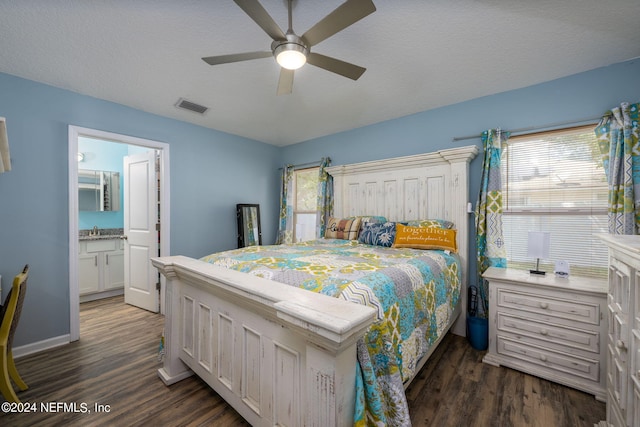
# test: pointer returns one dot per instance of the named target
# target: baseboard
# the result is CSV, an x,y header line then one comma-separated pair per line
x,y
101,295
168,380
36,347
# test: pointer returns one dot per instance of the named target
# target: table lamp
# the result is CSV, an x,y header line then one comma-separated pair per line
x,y
538,247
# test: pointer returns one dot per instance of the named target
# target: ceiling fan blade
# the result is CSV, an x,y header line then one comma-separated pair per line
x,y
236,57
285,82
344,15
335,66
254,9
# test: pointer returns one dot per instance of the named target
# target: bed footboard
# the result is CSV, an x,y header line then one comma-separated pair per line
x,y
279,355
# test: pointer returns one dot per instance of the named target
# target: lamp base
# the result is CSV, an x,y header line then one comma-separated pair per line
x,y
538,272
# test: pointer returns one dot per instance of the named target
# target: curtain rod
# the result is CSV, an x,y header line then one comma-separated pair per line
x,y
533,129
307,165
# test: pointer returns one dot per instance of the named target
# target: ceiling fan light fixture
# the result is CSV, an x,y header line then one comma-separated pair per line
x,y
292,51
291,55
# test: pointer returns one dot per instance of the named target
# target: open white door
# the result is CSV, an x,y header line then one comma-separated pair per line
x,y
140,219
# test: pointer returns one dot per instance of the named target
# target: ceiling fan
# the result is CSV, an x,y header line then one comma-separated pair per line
x,y
292,51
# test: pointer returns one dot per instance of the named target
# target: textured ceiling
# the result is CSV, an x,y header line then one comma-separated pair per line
x,y
419,55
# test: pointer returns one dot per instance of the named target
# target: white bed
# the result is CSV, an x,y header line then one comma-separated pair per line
x,y
286,356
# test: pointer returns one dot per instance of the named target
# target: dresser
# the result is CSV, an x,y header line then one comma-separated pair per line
x,y
553,328
623,343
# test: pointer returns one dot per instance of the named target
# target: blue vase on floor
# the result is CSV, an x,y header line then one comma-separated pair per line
x,y
478,332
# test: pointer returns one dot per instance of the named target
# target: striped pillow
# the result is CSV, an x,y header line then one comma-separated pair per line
x,y
346,229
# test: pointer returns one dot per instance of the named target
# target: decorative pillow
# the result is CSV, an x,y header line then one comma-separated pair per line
x,y
346,229
442,223
379,234
425,238
367,220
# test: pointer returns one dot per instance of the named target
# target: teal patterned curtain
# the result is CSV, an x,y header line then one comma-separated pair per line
x,y
285,226
489,237
325,197
617,135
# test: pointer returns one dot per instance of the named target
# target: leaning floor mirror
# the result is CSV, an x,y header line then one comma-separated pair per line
x,y
249,232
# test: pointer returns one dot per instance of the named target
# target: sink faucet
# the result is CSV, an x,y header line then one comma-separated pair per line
x,y
95,231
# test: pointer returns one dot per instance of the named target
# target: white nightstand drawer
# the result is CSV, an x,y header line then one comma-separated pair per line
x,y
581,311
564,364
559,335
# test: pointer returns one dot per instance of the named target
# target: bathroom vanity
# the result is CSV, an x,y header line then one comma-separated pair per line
x,y
100,264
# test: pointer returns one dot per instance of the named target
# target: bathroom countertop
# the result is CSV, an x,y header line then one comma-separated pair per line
x,y
104,234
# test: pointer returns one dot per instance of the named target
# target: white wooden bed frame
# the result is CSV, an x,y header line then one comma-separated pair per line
x,y
285,356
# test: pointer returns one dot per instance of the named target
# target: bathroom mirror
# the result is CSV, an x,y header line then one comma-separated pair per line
x,y
249,232
98,190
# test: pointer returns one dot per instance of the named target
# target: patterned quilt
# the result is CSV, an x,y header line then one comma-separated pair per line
x,y
414,292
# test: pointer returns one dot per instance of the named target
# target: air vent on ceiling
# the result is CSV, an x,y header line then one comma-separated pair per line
x,y
191,106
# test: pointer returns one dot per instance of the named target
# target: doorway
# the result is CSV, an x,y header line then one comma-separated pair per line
x,y
164,191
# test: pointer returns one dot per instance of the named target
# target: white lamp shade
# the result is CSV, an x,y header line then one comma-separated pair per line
x,y
538,244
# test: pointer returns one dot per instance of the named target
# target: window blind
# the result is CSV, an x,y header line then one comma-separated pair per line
x,y
305,205
554,181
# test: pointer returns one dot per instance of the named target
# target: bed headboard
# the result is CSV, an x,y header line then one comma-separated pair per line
x,y
423,186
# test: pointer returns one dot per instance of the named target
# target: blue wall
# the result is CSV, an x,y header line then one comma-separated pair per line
x,y
209,170
574,98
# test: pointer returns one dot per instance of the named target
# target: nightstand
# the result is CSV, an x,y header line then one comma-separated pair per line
x,y
553,328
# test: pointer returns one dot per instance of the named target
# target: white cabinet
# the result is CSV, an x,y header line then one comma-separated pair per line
x,y
553,328
114,269
100,268
88,272
623,343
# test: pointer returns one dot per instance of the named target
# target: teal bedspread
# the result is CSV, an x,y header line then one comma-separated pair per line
x,y
414,292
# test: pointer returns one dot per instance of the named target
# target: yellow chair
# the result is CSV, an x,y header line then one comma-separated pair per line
x,y
9,316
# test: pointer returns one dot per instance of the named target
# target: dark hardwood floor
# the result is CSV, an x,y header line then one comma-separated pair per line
x,y
114,364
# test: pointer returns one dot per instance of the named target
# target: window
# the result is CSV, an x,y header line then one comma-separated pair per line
x,y
305,190
554,181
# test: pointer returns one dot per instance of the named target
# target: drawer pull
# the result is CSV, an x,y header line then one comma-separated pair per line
x,y
620,344
544,305
543,357
544,332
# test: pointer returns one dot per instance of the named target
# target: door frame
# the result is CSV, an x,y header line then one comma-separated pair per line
x,y
163,149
